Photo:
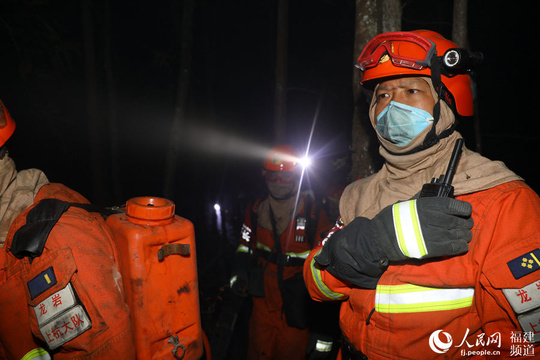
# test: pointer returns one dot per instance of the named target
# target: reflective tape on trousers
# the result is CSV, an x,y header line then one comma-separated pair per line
x,y
414,298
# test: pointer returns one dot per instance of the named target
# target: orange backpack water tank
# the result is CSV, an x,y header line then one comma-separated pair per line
x,y
159,272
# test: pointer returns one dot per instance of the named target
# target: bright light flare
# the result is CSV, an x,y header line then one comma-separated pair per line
x,y
219,220
305,162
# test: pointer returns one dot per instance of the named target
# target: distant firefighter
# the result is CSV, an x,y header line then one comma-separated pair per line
x,y
278,233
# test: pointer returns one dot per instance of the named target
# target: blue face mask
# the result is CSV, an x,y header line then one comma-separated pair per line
x,y
400,123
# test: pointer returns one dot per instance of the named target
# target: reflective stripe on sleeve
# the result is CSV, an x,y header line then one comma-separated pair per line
x,y
260,246
414,298
408,231
233,280
242,249
323,346
37,354
320,284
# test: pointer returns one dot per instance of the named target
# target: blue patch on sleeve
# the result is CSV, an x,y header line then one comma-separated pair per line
x,y
525,264
41,283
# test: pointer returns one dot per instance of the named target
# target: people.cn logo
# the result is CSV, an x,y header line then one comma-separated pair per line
x,y
437,345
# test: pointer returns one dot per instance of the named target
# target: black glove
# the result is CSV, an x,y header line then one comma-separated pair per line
x,y
360,252
319,347
352,254
239,274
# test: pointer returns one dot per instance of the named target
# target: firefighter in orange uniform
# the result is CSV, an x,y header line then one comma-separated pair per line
x,y
60,287
278,233
424,276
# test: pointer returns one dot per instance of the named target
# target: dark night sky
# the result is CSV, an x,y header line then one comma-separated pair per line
x,y
231,90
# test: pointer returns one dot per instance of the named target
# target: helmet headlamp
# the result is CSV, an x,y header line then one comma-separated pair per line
x,y
462,59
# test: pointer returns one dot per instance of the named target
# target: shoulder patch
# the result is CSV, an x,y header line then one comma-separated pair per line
x,y
525,264
41,283
524,299
530,324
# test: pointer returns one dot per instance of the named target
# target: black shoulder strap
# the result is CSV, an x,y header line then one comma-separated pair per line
x,y
105,212
311,221
29,240
254,219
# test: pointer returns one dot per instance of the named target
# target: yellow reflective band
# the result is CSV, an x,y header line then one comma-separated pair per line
x,y
415,298
37,354
242,249
263,247
302,255
535,259
233,279
323,346
320,284
408,230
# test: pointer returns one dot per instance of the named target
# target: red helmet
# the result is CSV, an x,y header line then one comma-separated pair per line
x,y
418,52
282,158
7,125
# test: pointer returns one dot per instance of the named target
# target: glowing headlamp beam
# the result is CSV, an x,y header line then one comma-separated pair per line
x,y
305,162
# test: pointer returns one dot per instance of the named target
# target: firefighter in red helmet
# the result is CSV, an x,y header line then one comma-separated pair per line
x,y
448,269
278,233
60,292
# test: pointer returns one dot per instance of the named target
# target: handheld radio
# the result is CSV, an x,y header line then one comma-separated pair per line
x,y
442,187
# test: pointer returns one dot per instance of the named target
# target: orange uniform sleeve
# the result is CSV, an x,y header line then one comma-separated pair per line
x,y
322,285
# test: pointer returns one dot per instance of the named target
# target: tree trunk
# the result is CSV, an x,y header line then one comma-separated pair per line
x,y
280,96
92,103
363,137
372,17
178,124
111,106
391,15
461,38
459,26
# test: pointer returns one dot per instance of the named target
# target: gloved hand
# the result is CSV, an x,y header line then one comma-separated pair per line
x,y
352,254
239,274
238,284
424,228
361,251
319,347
